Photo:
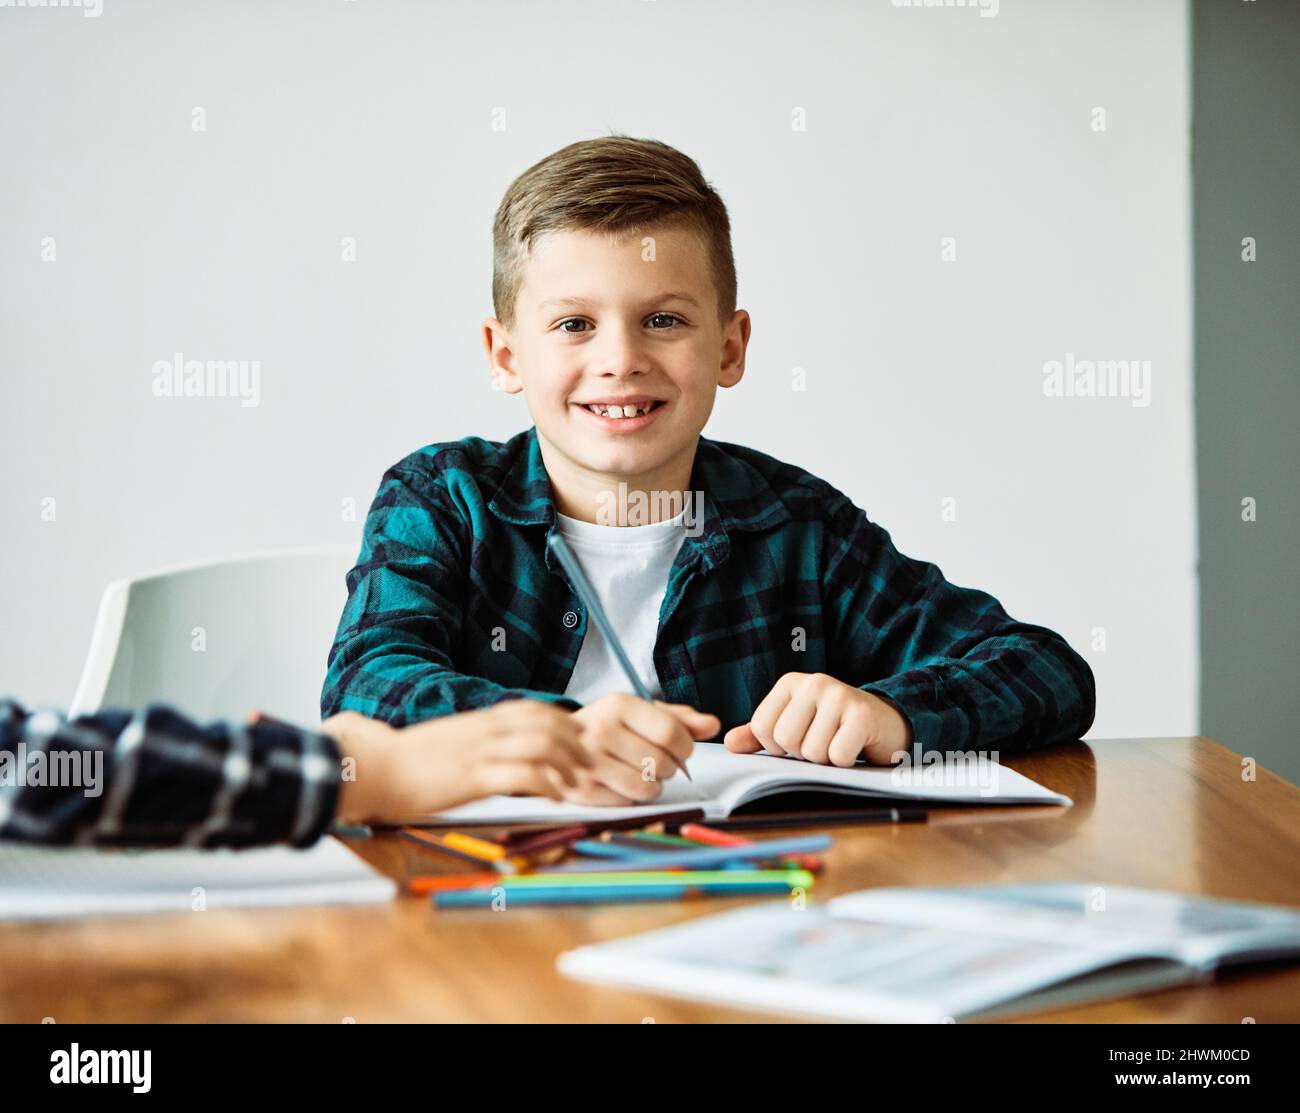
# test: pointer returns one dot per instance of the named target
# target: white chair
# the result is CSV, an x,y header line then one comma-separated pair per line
x,y
220,639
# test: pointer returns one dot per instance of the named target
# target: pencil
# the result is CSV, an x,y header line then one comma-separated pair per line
x,y
428,840
577,890
424,884
589,596
702,856
648,840
648,877
707,836
581,894
488,851
524,841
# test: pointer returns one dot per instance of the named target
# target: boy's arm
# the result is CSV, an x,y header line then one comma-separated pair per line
x,y
391,658
156,778
961,671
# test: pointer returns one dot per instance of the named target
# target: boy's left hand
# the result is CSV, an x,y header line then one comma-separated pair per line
x,y
818,718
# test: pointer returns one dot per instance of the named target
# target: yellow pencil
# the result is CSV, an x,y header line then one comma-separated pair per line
x,y
480,848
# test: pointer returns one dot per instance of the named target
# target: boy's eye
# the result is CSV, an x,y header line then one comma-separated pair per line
x,y
672,319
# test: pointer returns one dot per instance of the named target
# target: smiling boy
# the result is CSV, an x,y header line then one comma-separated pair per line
x,y
756,593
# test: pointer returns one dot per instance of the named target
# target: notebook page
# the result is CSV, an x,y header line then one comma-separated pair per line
x,y
725,780
1197,930
775,957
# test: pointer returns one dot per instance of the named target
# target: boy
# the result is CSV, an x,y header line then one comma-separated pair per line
x,y
748,587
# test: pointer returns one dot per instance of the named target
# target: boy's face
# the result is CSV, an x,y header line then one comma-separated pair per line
x,y
598,322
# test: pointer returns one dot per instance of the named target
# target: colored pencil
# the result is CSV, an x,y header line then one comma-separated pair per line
x,y
582,894
430,841
646,877
648,840
590,889
587,592
522,841
526,842
703,856
708,836
424,884
645,842
488,851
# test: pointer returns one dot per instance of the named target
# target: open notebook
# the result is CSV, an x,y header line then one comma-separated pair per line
x,y
39,883
936,954
725,782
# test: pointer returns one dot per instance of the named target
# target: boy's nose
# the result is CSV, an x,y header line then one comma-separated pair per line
x,y
621,352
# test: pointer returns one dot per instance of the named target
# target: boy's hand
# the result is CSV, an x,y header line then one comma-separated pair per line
x,y
632,743
818,718
521,745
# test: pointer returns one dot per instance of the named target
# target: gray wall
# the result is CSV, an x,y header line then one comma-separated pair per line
x,y
1246,182
375,120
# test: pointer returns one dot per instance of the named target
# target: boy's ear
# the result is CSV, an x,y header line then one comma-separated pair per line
x,y
501,357
735,339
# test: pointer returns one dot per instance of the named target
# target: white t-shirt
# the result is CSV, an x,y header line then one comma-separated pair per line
x,y
628,566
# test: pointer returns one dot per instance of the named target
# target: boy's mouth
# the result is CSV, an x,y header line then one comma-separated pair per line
x,y
623,417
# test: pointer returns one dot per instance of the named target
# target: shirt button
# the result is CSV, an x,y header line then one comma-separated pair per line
x,y
570,619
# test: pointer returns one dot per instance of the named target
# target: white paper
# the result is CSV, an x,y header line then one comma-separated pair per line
x,y
724,780
55,883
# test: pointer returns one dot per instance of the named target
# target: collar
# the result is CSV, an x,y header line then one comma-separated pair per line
x,y
736,496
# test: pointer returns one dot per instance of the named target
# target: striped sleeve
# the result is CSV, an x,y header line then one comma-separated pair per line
x,y
154,777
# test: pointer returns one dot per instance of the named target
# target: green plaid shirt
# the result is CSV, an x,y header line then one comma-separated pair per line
x,y
456,603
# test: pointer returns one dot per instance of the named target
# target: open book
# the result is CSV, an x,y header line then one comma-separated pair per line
x,y
942,954
44,883
726,782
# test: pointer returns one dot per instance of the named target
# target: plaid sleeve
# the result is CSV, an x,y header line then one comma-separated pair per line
x,y
392,653
956,665
155,778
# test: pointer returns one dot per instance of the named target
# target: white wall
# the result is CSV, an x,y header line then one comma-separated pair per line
x,y
374,120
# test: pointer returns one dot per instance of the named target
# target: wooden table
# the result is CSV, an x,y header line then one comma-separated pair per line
x,y
1172,813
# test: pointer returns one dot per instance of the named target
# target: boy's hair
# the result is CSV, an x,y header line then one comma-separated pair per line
x,y
615,184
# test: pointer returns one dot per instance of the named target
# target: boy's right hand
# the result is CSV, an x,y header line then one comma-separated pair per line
x,y
632,744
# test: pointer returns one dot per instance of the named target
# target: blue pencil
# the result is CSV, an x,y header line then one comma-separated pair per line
x,y
696,859
597,848
595,894
587,593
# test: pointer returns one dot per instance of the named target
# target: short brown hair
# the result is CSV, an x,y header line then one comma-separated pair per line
x,y
615,184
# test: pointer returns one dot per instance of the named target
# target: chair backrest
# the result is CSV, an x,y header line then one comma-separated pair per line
x,y
220,639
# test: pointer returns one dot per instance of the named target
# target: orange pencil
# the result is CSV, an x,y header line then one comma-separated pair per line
x,y
423,885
